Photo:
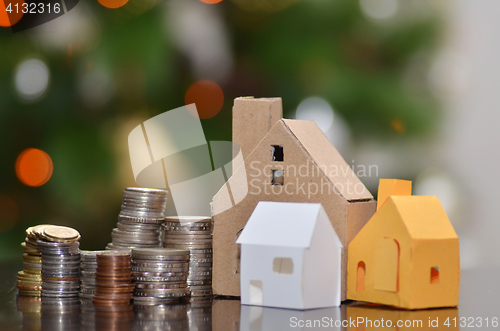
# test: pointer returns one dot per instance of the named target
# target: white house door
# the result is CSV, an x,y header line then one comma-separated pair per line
x,y
386,270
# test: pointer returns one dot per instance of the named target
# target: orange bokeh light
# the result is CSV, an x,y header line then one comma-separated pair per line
x,y
398,126
34,167
9,19
9,213
211,2
207,96
113,3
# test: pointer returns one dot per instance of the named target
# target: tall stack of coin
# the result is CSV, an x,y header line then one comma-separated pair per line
x,y
160,275
29,280
87,276
140,219
59,246
193,233
114,287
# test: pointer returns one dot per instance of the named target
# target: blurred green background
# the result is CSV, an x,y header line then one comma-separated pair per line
x,y
358,67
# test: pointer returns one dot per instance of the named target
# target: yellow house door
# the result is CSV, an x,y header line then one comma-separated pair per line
x,y
386,270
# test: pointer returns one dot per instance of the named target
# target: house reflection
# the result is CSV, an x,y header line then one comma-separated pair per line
x,y
374,317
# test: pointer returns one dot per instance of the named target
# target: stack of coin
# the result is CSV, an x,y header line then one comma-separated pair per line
x,y
60,262
87,275
160,275
114,287
140,219
29,280
193,233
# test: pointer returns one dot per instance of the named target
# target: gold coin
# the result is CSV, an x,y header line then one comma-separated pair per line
x,y
30,277
60,233
38,230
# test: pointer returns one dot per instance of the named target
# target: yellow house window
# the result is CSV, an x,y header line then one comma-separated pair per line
x,y
360,282
435,275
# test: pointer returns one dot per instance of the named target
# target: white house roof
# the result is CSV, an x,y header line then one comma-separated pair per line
x,y
288,224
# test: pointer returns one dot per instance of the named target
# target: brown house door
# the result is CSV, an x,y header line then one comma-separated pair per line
x,y
386,271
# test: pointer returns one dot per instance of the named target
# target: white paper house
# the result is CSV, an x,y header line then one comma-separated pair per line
x,y
290,257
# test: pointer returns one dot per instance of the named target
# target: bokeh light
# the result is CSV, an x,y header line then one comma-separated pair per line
x,y
95,88
9,19
32,79
434,181
34,167
211,2
113,3
379,9
9,213
398,126
207,96
318,110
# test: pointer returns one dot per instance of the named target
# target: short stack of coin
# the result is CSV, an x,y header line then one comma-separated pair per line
x,y
114,287
140,219
29,280
160,275
195,234
59,246
87,275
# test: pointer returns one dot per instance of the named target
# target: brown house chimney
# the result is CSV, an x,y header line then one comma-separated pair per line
x,y
252,120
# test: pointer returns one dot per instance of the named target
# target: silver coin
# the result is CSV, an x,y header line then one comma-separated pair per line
x,y
159,252
199,282
141,215
187,237
200,265
201,293
161,265
155,279
164,285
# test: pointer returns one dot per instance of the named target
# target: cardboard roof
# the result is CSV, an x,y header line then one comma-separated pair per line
x,y
288,224
423,216
326,156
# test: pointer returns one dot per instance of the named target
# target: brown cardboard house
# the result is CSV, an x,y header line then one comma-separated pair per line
x,y
288,161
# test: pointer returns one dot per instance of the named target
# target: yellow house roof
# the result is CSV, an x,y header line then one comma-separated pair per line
x,y
423,216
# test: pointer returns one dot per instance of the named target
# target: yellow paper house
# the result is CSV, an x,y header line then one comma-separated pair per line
x,y
407,255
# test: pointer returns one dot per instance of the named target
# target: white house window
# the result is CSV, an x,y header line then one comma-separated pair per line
x,y
283,265
277,153
277,177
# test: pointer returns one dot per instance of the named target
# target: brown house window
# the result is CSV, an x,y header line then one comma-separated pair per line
x,y
277,177
277,154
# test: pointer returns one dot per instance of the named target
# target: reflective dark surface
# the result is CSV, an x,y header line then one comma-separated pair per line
x,y
479,306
